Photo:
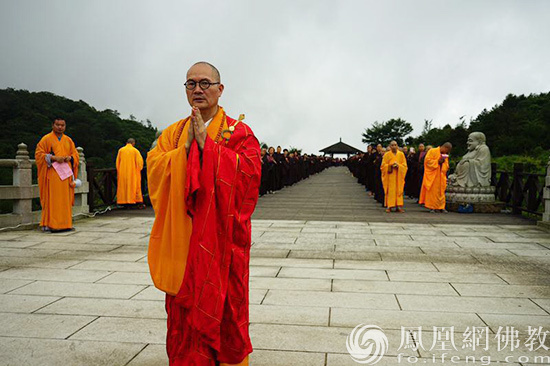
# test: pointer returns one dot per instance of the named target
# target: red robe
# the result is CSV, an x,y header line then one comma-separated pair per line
x,y
208,318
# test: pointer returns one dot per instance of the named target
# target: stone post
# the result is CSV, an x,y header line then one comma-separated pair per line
x,y
546,198
81,194
22,178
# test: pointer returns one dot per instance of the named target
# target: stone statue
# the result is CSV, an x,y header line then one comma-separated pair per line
x,y
474,170
471,182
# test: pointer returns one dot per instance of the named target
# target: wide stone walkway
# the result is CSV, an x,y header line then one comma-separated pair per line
x,y
85,297
334,195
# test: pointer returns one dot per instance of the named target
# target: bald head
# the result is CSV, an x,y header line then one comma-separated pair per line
x,y
131,141
215,73
394,146
446,148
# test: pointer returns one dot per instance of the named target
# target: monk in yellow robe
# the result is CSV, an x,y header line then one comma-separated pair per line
x,y
204,179
128,166
56,153
394,169
434,183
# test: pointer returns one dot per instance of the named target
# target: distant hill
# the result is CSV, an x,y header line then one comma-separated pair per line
x,y
27,116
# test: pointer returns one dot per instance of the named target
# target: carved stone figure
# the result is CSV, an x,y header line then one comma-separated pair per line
x,y
471,182
474,170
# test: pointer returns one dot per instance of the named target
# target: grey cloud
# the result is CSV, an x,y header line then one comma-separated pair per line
x,y
304,72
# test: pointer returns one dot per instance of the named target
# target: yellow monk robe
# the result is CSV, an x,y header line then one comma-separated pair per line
x,y
56,196
128,166
434,183
393,182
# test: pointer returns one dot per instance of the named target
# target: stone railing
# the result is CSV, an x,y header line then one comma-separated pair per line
x,y
22,191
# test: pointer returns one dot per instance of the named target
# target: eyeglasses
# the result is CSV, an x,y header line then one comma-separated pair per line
x,y
203,84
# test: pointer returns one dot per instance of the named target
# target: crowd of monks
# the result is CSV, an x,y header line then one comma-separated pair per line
x,y
391,173
283,168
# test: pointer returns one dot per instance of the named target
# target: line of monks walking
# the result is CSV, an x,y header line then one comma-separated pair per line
x,y
283,168
389,174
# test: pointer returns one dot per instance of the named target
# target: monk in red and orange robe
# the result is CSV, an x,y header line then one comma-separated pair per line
x,y
204,178
434,183
128,166
56,194
393,170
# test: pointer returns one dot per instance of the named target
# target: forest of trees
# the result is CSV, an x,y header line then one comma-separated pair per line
x,y
517,130
27,116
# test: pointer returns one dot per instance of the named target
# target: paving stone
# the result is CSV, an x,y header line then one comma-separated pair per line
x,y
364,256
493,245
261,271
47,274
18,244
395,319
269,253
79,289
285,358
150,293
335,359
107,307
45,352
330,299
152,355
519,279
544,303
444,277
333,273
7,284
290,246
76,246
469,304
393,287
11,236
26,252
117,266
24,304
290,283
115,255
385,265
309,338
41,325
292,262
379,249
46,262
123,330
277,314
485,290
485,268
131,278
519,322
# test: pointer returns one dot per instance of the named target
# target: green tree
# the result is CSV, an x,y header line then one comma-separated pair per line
x,y
384,132
27,116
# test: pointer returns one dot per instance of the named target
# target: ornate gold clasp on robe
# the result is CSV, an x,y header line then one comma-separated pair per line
x,y
231,129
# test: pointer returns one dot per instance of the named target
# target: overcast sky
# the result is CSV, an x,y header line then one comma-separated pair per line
x,y
305,73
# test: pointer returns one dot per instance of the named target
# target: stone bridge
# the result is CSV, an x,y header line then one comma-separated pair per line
x,y
325,258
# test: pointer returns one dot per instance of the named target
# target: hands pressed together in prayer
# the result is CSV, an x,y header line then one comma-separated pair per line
x,y
197,130
61,159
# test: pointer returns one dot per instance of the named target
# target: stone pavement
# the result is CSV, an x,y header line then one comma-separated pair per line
x,y
334,195
85,297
